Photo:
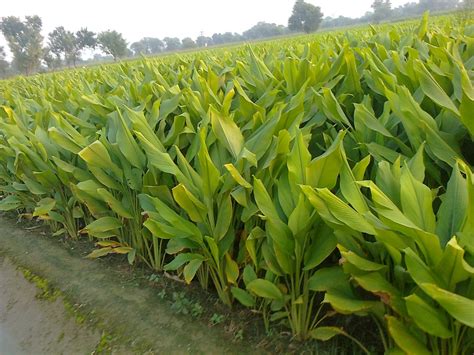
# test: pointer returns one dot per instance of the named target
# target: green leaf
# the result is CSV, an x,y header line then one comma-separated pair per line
x,y
298,160
453,210
182,259
44,206
326,333
324,170
243,297
231,269
361,263
9,203
265,289
432,89
328,278
430,319
321,247
459,307
195,209
236,176
224,217
190,270
127,144
405,339
114,204
264,201
227,132
347,304
107,225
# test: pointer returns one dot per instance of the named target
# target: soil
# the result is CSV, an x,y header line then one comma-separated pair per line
x,y
117,314
29,325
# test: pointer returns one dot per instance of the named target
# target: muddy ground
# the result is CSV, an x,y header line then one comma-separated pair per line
x,y
98,310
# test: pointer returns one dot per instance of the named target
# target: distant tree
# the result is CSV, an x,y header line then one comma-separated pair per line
x,y
84,39
62,44
51,61
147,45
382,10
68,45
25,41
139,48
305,17
4,65
172,43
227,37
341,21
406,10
154,45
112,42
264,30
188,43
438,5
203,41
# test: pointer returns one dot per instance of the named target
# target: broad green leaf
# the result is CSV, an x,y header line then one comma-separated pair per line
x,y
459,307
113,203
195,209
453,210
107,225
430,319
190,270
265,289
243,297
405,339
227,132
326,333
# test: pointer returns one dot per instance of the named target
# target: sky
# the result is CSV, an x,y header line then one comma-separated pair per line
x,y
136,19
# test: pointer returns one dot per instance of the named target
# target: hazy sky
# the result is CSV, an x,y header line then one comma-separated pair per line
x,y
178,18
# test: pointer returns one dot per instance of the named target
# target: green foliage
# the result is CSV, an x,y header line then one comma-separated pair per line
x,y
300,178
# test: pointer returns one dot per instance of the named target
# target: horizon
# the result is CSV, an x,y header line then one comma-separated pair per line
x,y
136,23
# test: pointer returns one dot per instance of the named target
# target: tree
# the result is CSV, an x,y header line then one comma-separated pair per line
x,y
51,61
382,10
188,43
264,30
139,48
203,41
227,37
305,17
4,65
62,44
85,39
25,41
172,43
69,45
438,5
112,42
147,45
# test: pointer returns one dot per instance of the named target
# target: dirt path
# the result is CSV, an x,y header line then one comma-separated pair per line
x,y
23,317
143,322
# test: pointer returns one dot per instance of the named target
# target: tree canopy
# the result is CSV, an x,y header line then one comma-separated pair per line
x,y
25,41
112,42
382,10
305,17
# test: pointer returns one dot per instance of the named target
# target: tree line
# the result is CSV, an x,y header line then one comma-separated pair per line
x,y
65,48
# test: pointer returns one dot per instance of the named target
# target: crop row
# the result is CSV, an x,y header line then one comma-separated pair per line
x,y
299,180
